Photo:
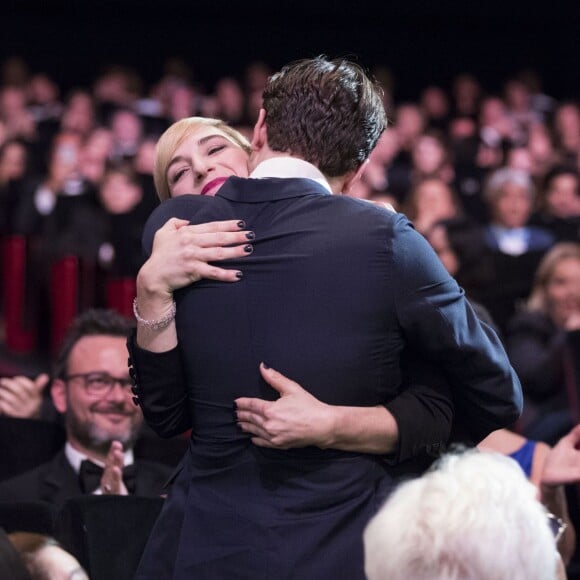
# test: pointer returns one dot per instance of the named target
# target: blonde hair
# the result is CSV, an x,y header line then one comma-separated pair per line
x,y
538,300
172,138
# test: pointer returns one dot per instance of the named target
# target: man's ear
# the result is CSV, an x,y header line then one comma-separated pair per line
x,y
58,394
353,176
260,136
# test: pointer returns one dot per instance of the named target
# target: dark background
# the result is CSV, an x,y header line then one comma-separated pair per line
x,y
419,41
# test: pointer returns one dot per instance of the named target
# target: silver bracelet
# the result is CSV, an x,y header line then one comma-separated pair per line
x,y
159,324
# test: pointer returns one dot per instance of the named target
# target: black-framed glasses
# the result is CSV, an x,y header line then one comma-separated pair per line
x,y
99,384
557,525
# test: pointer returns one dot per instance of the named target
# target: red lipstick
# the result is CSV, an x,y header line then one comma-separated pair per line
x,y
214,183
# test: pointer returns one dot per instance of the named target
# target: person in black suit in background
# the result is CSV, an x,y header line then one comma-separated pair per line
x,y
333,291
92,389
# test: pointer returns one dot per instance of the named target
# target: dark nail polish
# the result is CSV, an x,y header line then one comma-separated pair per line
x,y
239,275
242,224
251,235
249,249
265,365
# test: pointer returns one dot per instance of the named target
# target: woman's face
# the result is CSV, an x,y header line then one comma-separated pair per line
x,y
428,154
434,199
563,197
13,163
203,162
563,290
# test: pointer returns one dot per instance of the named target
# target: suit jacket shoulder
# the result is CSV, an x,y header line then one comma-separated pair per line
x,y
56,481
53,482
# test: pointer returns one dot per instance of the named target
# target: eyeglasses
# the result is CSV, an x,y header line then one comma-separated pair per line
x,y
557,525
99,384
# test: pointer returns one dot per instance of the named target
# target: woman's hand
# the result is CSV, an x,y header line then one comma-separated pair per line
x,y
180,256
182,252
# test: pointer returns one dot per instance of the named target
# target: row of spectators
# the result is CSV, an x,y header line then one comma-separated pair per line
x,y
490,179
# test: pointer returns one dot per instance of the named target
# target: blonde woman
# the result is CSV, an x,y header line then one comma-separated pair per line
x,y
543,342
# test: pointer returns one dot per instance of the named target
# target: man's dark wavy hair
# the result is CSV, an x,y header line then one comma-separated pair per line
x,y
92,322
328,112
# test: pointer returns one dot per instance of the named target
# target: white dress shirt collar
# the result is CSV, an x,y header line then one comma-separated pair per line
x,y
288,167
75,457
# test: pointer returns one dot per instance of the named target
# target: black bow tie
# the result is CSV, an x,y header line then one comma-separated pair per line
x,y
90,476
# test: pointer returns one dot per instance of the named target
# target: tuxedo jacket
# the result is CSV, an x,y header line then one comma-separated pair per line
x,y
334,291
56,481
449,363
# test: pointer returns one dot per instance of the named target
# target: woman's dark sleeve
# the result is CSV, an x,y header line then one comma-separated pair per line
x,y
159,389
535,347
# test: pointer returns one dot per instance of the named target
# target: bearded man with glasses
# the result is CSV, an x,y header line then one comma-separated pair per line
x,y
91,388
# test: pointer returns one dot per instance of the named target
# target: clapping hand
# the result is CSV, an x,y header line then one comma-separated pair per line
x,y
112,479
562,464
21,397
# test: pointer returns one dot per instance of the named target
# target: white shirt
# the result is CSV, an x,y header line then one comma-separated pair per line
x,y
287,167
512,241
75,457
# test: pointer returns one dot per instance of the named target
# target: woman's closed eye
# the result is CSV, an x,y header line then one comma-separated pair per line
x,y
178,174
216,149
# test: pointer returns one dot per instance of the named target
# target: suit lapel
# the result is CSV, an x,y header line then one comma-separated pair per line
x,y
59,482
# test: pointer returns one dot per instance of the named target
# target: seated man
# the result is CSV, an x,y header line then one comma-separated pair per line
x,y
92,389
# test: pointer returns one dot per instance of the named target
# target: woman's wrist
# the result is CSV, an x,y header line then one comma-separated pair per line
x,y
550,492
151,288
158,323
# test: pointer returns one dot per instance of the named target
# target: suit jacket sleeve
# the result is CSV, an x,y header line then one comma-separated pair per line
x,y
423,410
440,324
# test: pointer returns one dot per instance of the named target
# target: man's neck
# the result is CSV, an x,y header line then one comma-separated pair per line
x,y
264,154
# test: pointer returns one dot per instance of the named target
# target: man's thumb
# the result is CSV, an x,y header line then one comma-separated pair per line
x,y
277,380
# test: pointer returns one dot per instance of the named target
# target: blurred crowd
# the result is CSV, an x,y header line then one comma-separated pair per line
x,y
491,179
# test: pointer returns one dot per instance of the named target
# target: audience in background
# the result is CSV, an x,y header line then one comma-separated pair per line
x,y
463,161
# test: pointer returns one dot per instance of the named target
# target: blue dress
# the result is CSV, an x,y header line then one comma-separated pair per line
x,y
525,456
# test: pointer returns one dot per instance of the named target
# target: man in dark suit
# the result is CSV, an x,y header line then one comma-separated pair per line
x,y
333,291
91,388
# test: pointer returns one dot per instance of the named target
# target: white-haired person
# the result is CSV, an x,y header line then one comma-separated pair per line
x,y
474,516
515,246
